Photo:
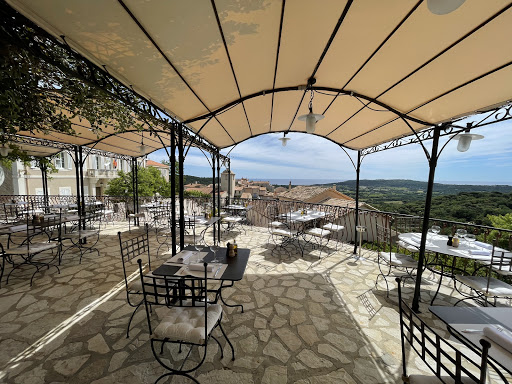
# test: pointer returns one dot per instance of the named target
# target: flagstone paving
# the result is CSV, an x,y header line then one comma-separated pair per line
x,y
306,320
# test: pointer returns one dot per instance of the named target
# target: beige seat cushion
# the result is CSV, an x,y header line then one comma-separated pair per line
x,y
276,224
333,227
497,287
282,232
318,232
188,323
399,260
231,219
32,249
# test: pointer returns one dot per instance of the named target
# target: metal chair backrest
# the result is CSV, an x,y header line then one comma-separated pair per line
x,y
501,263
442,358
383,237
134,247
175,292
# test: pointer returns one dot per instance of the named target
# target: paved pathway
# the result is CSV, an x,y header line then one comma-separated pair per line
x,y
306,321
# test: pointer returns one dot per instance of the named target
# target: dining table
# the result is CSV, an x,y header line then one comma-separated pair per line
x,y
467,325
231,269
437,246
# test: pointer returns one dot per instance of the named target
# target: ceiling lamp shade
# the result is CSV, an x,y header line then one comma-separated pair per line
x,y
311,119
284,140
4,150
443,7
465,140
142,148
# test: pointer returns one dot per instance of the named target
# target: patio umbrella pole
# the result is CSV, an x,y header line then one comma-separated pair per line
x,y
426,215
358,169
172,161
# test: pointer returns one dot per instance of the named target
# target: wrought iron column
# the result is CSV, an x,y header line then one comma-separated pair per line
x,y
228,198
44,177
214,155
432,163
77,179
218,195
172,161
180,186
82,189
134,189
356,233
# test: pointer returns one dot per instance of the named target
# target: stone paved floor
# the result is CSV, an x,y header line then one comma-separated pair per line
x,y
306,321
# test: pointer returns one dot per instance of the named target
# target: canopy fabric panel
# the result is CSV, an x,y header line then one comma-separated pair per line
x,y
381,67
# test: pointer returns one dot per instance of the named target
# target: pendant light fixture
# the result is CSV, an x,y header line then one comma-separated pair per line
x,y
311,118
443,7
466,138
4,150
142,147
284,139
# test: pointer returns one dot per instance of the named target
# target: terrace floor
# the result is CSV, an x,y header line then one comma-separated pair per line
x,y
306,321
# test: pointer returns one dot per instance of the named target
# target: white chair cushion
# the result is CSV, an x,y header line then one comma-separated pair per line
x,y
497,287
333,227
276,224
318,232
33,249
282,232
399,260
188,323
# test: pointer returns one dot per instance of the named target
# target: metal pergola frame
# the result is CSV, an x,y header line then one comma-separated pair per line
x,y
37,40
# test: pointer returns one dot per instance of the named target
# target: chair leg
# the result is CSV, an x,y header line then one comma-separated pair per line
x,y
131,318
220,347
229,342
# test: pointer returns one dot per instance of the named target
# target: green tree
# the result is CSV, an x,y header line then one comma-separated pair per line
x,y
36,96
150,182
500,221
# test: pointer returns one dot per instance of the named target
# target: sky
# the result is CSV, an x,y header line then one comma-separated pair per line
x,y
488,161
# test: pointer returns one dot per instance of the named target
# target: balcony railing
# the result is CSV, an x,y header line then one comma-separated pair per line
x,y
262,212
102,173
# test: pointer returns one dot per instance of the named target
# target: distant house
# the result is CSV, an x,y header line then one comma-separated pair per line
x,y
164,169
320,195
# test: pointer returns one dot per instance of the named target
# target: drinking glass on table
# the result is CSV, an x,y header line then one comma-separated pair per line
x,y
470,238
214,248
461,233
435,229
199,247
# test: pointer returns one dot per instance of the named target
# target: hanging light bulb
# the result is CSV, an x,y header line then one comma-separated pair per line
x,y
465,139
142,147
443,7
284,139
311,118
4,150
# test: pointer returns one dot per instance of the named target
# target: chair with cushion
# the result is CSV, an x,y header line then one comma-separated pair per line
x,y
334,228
406,224
83,236
487,286
319,235
186,317
134,248
389,260
447,363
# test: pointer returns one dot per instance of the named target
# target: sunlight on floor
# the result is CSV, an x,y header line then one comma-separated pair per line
x,y
65,325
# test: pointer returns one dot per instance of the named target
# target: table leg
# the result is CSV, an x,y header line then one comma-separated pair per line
x,y
222,299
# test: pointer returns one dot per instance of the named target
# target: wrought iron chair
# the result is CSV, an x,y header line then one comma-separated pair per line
x,y
408,224
484,287
83,235
132,248
38,245
187,318
280,232
389,260
446,362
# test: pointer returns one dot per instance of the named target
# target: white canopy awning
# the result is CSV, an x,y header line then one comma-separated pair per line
x,y
195,57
